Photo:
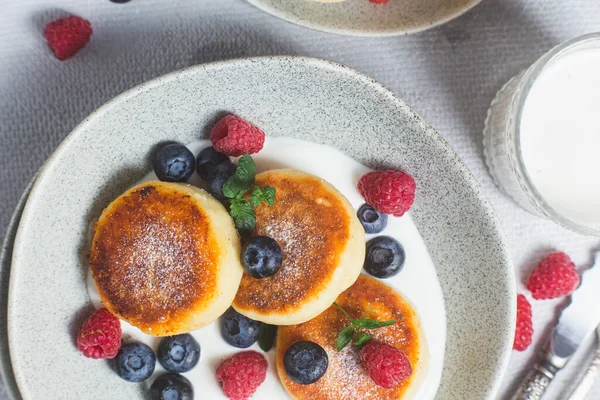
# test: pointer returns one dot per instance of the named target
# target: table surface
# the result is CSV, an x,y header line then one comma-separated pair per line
x,y
449,74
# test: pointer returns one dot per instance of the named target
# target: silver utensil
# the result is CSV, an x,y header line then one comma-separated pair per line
x,y
575,324
591,374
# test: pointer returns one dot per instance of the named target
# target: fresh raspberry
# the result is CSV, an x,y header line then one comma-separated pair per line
x,y
242,374
235,136
555,276
390,192
524,330
385,364
379,1
66,36
100,335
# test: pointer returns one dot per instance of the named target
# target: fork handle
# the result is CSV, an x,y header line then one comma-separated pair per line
x,y
536,382
589,378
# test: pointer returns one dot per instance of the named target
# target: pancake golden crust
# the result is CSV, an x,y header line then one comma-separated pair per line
x,y
346,378
323,249
156,257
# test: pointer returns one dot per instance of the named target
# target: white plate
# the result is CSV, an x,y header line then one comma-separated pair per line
x,y
304,98
363,18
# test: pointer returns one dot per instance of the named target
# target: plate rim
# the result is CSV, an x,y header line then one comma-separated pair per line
x,y
6,372
321,27
474,186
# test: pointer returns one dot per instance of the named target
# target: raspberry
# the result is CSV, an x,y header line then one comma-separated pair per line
x,y
385,364
379,1
66,36
555,276
235,136
242,374
100,335
390,192
524,330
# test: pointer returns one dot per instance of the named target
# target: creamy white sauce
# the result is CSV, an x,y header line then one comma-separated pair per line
x,y
560,135
417,282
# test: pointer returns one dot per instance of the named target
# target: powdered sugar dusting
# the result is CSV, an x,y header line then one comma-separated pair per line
x,y
152,257
346,377
312,225
347,373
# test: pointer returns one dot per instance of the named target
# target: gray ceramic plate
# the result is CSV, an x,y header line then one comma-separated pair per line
x,y
286,96
363,18
8,378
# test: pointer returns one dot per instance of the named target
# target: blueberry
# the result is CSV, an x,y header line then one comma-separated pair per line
x,y
171,387
135,362
120,1
207,161
384,258
220,174
178,353
237,330
174,163
261,256
372,220
305,362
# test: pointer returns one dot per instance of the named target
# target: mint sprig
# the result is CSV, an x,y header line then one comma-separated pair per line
x,y
266,194
242,180
243,215
241,205
347,334
362,339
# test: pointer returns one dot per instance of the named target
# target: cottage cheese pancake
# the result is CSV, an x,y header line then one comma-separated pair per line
x,y
323,249
165,258
346,377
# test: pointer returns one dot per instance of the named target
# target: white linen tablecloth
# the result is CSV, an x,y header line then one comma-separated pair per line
x,y
449,75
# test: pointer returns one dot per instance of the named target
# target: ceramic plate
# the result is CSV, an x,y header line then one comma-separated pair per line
x,y
363,18
8,378
303,98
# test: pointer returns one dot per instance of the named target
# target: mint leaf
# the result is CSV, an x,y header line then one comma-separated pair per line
x,y
371,323
257,196
246,168
362,339
347,333
243,179
266,194
243,215
269,195
242,205
266,336
229,189
345,337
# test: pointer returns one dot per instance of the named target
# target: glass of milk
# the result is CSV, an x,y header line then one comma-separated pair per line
x,y
542,136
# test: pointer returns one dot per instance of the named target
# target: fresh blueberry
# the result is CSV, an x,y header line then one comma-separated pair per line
x,y
178,353
372,220
261,256
237,330
135,362
171,387
207,161
219,176
305,362
120,1
384,257
174,163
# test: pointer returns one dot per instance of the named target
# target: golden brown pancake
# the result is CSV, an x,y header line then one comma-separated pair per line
x,y
165,258
323,246
346,377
